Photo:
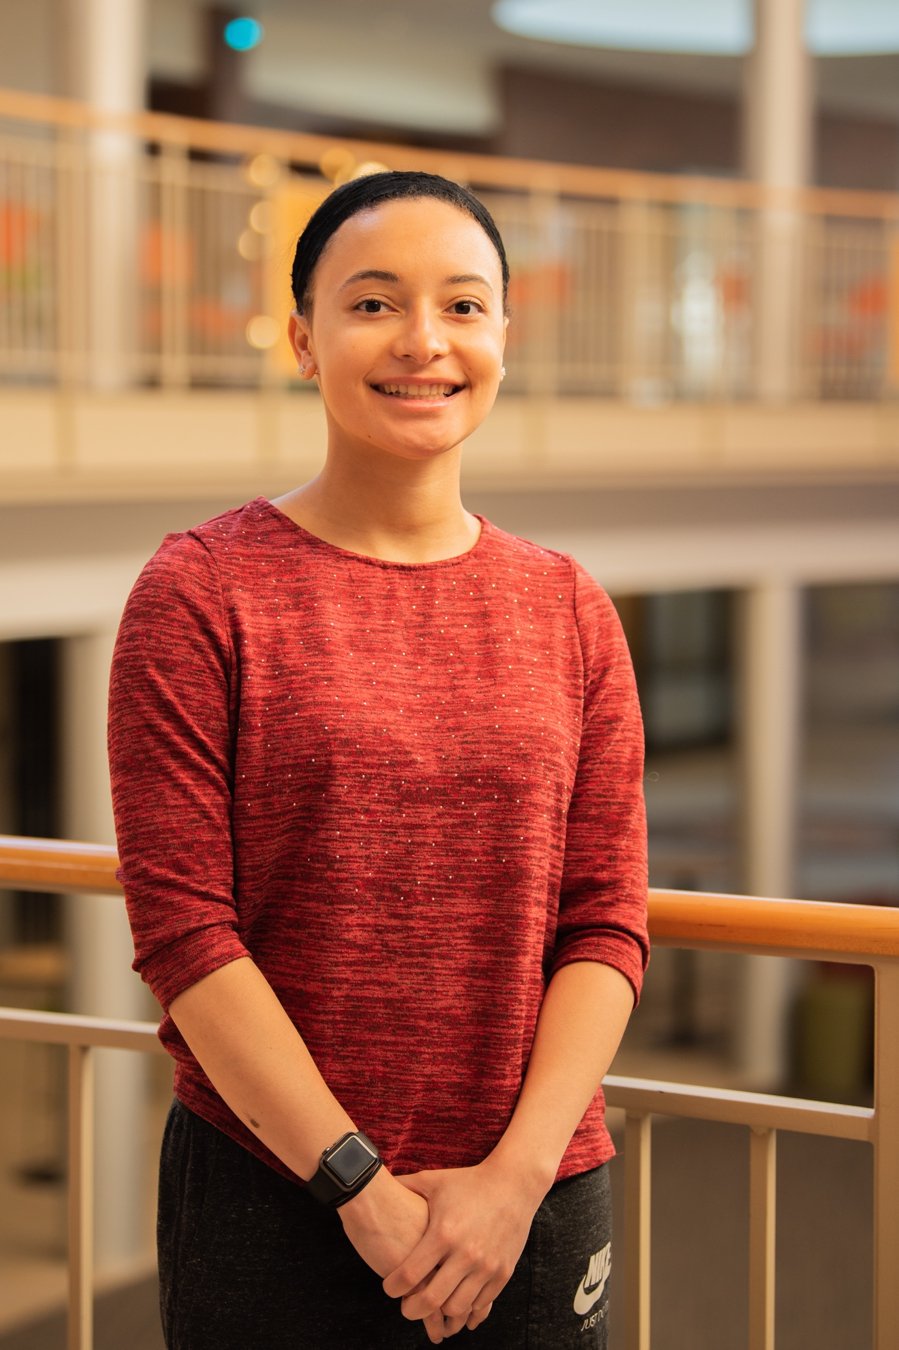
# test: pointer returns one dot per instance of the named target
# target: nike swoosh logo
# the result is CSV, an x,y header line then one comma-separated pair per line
x,y
583,1301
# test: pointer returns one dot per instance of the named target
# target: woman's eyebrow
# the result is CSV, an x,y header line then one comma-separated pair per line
x,y
369,274
469,276
375,274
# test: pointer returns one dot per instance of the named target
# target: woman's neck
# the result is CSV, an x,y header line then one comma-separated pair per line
x,y
386,507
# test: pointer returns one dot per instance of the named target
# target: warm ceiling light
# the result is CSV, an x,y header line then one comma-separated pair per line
x,y
263,332
263,170
244,34
712,27
337,160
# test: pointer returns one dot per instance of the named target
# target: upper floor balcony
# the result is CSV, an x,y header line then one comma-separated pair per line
x,y
662,326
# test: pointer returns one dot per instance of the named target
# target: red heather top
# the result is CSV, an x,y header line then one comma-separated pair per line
x,y
410,792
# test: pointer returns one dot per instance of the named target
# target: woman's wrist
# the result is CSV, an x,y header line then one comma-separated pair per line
x,y
366,1207
531,1171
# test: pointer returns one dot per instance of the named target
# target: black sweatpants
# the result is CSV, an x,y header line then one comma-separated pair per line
x,y
249,1261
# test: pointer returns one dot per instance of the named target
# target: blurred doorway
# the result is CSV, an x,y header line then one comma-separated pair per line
x,y
30,775
849,784
683,652
682,648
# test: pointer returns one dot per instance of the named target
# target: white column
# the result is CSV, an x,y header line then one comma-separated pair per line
x,y
102,981
103,64
778,134
770,653
102,56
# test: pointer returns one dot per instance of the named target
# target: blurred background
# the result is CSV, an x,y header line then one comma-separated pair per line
x,y
701,208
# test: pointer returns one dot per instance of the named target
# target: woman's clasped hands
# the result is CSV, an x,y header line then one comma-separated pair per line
x,y
447,1241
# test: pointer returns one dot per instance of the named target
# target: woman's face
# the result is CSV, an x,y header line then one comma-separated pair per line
x,y
407,328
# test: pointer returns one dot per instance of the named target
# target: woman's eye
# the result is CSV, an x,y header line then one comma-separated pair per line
x,y
465,307
371,306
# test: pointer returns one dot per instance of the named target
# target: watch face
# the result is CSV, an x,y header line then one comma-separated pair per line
x,y
350,1161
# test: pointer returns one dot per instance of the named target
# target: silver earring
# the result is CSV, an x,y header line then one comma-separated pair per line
x,y
502,372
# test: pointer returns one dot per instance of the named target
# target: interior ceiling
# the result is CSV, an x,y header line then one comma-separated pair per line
x,y
866,85
832,27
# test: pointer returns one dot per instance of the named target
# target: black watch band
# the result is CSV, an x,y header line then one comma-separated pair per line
x,y
345,1169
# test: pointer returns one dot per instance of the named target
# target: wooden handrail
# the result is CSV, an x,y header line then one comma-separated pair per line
x,y
483,170
22,1024
698,917
58,865
751,921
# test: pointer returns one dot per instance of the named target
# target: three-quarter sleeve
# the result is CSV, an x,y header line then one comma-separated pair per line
x,y
170,753
602,907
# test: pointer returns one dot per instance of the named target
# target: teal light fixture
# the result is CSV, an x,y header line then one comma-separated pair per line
x,y
244,34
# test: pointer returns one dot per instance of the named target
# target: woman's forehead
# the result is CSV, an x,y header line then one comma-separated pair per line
x,y
417,231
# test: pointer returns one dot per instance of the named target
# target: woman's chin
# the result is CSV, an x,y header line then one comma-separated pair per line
x,y
419,442
420,452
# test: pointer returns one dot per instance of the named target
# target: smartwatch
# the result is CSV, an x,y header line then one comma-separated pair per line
x,y
345,1169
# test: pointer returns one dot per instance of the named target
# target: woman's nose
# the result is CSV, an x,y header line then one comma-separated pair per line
x,y
421,337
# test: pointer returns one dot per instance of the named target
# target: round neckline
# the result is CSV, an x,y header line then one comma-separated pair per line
x,y
282,519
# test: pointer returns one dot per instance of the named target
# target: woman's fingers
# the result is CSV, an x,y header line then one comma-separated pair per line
x,y
452,1288
417,1269
439,1327
463,1298
453,1324
435,1327
490,1291
477,1316
458,1308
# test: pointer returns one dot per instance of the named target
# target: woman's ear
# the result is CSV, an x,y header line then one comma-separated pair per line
x,y
300,340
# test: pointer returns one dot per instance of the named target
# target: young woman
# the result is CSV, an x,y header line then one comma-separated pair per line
x,y
377,774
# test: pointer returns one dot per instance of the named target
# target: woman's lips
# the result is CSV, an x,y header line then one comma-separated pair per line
x,y
436,389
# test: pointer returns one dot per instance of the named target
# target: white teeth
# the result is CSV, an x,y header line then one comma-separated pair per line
x,y
418,390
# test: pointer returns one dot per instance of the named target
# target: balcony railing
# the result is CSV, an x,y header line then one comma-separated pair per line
x,y
858,934
153,251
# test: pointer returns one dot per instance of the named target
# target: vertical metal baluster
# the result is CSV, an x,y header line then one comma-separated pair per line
x,y
543,315
886,1156
762,1219
174,265
637,1196
69,280
81,1198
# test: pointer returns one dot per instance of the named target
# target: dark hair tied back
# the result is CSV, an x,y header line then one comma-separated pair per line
x,y
361,194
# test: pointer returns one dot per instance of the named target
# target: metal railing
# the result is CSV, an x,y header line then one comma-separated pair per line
x,y
861,934
154,251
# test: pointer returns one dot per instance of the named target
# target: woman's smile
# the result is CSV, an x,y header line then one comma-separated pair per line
x,y
424,391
